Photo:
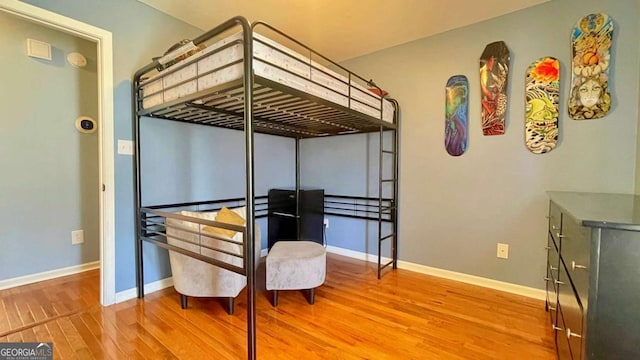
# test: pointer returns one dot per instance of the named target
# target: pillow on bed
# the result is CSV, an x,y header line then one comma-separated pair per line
x,y
226,216
379,92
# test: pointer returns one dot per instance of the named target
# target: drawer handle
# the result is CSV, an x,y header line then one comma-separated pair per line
x,y
570,334
575,266
559,235
558,282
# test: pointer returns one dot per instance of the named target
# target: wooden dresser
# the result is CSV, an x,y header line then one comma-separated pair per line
x,y
593,275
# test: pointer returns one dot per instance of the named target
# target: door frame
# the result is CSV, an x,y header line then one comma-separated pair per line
x,y
104,45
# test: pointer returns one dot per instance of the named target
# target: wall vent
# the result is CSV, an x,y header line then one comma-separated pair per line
x,y
38,49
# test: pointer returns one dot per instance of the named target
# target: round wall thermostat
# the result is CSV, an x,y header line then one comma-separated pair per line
x,y
77,59
86,125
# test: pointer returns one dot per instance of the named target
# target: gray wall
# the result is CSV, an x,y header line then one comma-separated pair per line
x,y
140,33
49,183
453,211
348,165
185,163
637,184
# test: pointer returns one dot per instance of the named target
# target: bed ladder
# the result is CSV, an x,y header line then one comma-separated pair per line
x,y
388,185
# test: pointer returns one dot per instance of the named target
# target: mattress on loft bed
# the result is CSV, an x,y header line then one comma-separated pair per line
x,y
207,69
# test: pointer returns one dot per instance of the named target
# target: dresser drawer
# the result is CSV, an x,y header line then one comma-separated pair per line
x,y
553,257
572,314
551,277
555,220
575,252
562,345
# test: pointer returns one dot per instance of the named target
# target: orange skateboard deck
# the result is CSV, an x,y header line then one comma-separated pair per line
x,y
542,90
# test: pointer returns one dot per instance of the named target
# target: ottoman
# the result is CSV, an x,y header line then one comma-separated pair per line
x,y
295,265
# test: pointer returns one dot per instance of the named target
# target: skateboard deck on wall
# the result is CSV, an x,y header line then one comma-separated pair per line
x,y
456,115
591,49
542,90
494,72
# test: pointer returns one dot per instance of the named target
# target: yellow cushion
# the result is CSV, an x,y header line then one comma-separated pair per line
x,y
226,216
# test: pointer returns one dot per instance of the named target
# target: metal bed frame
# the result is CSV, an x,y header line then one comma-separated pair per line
x,y
256,104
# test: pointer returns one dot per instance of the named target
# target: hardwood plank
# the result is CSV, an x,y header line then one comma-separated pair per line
x,y
79,347
108,334
12,313
355,316
60,343
102,337
173,337
123,317
92,345
5,326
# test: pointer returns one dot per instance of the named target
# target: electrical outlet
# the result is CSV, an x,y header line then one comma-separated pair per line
x,y
125,147
503,251
326,223
77,237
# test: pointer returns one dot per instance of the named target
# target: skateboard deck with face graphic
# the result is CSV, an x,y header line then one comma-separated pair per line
x,y
542,89
456,115
494,72
591,50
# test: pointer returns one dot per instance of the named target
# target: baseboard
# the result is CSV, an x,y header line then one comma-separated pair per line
x,y
447,274
48,275
148,288
355,254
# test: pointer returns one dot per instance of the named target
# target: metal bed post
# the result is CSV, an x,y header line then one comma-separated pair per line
x,y
136,177
138,200
380,208
396,175
250,196
298,188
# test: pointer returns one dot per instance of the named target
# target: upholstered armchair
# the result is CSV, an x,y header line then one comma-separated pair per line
x,y
193,277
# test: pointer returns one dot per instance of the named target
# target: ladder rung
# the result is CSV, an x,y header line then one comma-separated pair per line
x,y
388,151
385,265
388,180
386,237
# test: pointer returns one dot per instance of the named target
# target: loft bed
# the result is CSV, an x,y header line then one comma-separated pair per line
x,y
293,93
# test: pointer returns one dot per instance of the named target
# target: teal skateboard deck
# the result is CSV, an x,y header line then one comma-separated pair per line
x,y
591,39
542,90
456,115
494,73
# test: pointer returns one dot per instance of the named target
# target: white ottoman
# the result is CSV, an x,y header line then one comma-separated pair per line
x,y
296,265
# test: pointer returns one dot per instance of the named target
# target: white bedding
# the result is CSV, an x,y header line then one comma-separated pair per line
x,y
311,78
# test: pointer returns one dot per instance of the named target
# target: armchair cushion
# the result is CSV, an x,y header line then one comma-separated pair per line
x,y
226,216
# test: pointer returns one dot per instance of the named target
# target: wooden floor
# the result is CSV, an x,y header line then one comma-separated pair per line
x,y
403,316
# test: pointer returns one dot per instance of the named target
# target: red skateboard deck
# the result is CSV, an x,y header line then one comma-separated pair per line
x,y
494,73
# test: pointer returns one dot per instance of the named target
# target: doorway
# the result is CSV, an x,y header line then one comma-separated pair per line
x,y
103,187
